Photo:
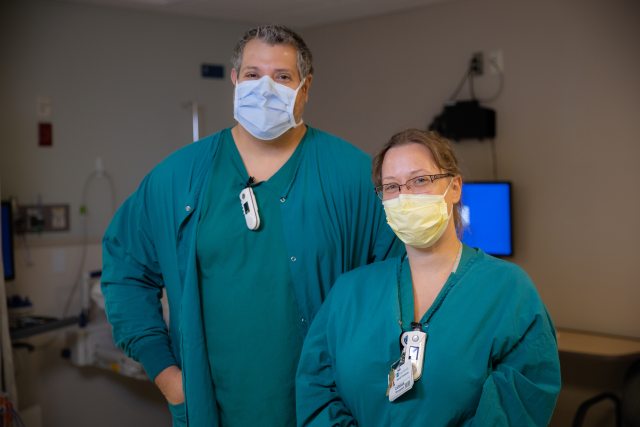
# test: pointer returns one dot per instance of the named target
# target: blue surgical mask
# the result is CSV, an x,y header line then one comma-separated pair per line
x,y
265,108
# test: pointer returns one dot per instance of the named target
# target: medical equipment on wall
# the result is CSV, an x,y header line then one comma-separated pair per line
x,y
468,119
195,118
99,174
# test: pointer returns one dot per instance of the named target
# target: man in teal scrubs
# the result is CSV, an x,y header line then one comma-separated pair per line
x,y
246,230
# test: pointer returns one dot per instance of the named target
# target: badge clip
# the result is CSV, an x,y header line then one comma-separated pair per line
x,y
250,206
414,343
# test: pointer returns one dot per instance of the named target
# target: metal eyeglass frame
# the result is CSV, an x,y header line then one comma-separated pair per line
x,y
409,183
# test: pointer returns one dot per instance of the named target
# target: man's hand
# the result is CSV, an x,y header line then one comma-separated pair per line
x,y
169,381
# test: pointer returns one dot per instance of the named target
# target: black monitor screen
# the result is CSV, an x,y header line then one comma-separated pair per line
x,y
7,242
486,216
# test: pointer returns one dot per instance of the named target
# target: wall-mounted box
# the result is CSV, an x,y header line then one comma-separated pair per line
x,y
39,218
212,71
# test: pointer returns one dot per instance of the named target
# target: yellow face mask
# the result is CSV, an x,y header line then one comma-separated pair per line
x,y
419,220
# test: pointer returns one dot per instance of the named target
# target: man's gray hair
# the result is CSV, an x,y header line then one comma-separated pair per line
x,y
275,35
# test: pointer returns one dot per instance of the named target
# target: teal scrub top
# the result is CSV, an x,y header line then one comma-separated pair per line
x,y
491,355
150,246
248,303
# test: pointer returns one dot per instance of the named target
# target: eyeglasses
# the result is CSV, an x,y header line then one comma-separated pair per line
x,y
419,184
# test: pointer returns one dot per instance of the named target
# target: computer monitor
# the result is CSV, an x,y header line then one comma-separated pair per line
x,y
7,242
486,216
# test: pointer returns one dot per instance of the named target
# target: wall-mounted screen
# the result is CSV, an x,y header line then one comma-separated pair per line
x,y
486,216
7,241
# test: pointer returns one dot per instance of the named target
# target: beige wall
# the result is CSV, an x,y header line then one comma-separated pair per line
x,y
568,128
117,80
568,138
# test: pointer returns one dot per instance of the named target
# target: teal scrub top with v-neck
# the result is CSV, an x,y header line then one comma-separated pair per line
x,y
248,301
334,223
491,356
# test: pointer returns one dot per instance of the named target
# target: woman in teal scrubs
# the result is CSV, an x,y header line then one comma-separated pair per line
x,y
443,336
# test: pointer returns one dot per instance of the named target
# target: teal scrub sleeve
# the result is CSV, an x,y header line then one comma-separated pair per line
x,y
318,402
132,286
523,386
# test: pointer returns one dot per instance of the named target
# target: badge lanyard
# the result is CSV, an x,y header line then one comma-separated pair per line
x,y
408,368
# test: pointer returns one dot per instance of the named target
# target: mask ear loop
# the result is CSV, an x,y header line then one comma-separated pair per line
x,y
448,186
293,106
449,213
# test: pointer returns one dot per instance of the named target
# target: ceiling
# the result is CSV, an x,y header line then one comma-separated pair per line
x,y
293,13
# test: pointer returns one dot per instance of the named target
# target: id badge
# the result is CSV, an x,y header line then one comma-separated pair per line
x,y
414,343
400,379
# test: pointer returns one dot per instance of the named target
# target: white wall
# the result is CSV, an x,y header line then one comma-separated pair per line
x,y
568,133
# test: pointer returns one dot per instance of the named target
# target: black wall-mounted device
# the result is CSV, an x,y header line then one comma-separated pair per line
x,y
465,120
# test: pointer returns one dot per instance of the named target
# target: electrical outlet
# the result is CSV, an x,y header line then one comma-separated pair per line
x,y
59,217
476,67
495,62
